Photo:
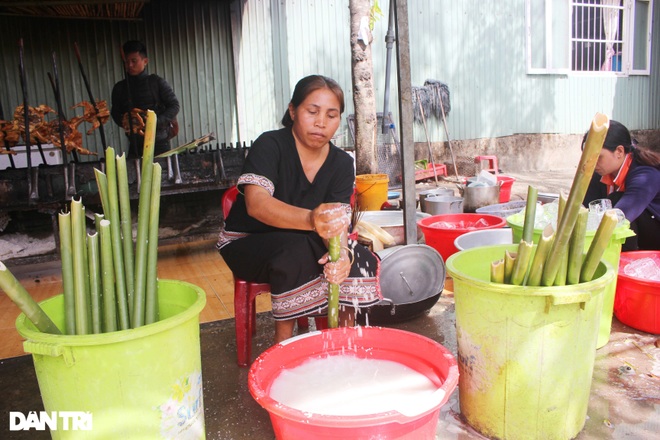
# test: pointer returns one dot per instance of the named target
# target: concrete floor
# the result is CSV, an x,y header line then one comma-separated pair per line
x,y
625,391
624,403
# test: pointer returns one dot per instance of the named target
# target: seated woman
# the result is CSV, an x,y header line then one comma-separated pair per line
x,y
629,176
294,195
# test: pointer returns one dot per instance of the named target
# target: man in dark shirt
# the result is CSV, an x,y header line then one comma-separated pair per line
x,y
140,92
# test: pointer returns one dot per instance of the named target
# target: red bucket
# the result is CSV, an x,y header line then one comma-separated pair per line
x,y
506,183
412,350
442,238
637,300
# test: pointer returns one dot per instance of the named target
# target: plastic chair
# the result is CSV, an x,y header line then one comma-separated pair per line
x,y
245,294
492,164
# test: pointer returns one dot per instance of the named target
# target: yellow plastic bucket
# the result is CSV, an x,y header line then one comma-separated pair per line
x,y
525,354
139,383
371,191
611,255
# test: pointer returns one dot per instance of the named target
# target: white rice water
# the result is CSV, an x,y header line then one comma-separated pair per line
x,y
345,385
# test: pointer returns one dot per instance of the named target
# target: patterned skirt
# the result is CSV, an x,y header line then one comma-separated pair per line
x,y
288,261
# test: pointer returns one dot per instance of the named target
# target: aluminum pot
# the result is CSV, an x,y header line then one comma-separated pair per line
x,y
432,192
444,205
412,278
478,196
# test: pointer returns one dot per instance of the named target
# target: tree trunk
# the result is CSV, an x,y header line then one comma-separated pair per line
x,y
363,88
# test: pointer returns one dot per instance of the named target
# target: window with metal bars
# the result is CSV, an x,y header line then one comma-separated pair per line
x,y
594,37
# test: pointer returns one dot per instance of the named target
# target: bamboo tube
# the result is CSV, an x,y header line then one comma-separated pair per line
x,y
585,170
598,245
83,233
112,214
97,221
151,300
576,247
66,256
102,184
521,265
19,296
497,271
509,262
560,279
126,226
530,215
334,252
81,298
143,221
536,269
95,285
108,276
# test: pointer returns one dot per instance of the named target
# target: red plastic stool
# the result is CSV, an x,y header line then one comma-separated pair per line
x,y
492,164
245,310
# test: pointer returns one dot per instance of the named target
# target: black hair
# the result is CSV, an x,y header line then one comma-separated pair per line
x,y
618,134
133,46
306,86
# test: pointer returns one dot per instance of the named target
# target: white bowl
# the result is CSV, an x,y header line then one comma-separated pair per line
x,y
483,237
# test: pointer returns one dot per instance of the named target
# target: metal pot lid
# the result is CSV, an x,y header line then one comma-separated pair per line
x,y
411,273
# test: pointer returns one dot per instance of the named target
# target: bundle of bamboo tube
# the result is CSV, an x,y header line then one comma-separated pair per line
x,y
559,257
107,286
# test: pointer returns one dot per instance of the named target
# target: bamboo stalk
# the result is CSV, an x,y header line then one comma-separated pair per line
x,y
95,284
151,301
560,279
81,298
19,296
497,271
521,265
126,226
112,214
97,221
108,274
143,221
536,269
598,245
102,184
509,262
334,252
530,215
576,247
66,256
585,170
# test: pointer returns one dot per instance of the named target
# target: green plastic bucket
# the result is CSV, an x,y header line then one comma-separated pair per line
x,y
139,383
611,255
525,354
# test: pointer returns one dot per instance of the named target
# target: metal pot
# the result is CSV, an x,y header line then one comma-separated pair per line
x,y
444,205
478,196
432,192
411,279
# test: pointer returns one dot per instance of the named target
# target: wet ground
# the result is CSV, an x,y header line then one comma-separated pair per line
x,y
624,401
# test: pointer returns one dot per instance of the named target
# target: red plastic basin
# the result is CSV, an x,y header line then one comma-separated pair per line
x,y
637,300
415,351
506,183
442,239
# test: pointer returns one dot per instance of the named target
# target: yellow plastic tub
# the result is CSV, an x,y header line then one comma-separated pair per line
x,y
139,383
525,354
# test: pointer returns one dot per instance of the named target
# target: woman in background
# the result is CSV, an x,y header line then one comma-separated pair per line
x,y
629,175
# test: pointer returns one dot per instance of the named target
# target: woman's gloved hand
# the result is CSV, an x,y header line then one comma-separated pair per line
x,y
329,220
338,271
